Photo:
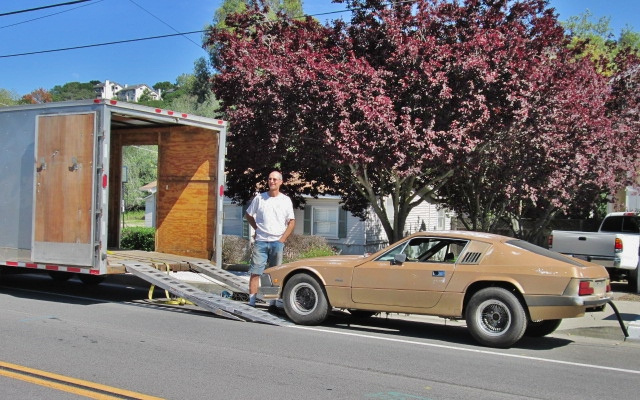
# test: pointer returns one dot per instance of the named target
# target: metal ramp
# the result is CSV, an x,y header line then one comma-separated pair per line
x,y
234,282
212,302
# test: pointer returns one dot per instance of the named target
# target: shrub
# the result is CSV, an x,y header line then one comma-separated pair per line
x,y
235,250
138,238
305,246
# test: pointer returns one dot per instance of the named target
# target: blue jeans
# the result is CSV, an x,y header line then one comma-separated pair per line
x,y
265,253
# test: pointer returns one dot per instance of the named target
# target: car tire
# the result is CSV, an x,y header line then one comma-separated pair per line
x,y
495,317
542,328
305,301
633,280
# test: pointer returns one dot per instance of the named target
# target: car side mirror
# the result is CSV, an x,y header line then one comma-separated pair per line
x,y
399,259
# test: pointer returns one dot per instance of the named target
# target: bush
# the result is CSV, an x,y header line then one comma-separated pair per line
x,y
235,250
305,246
138,238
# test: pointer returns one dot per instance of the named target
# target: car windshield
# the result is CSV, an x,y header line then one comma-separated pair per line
x,y
542,251
427,250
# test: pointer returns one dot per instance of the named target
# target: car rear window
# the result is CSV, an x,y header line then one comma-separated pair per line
x,y
621,223
542,251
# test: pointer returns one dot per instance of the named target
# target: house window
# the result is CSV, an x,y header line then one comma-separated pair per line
x,y
325,222
442,220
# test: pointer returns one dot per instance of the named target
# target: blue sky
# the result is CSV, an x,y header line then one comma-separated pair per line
x,y
152,61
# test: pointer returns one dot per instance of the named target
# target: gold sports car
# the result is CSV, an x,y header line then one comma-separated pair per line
x,y
503,287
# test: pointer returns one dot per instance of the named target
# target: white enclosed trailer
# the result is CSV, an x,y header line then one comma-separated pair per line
x,y
60,195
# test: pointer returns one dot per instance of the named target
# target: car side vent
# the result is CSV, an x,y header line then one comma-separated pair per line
x,y
471,258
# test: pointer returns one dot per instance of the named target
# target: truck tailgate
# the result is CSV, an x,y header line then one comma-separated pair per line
x,y
584,243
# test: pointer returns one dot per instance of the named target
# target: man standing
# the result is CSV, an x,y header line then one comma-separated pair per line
x,y
270,214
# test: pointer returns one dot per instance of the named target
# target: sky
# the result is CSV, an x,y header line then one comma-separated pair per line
x,y
95,22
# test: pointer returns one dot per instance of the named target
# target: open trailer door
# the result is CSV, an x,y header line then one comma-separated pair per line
x,y
63,193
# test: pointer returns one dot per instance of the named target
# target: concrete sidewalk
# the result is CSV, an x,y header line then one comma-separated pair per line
x,y
605,324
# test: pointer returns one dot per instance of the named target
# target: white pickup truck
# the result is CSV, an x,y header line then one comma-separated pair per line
x,y
616,245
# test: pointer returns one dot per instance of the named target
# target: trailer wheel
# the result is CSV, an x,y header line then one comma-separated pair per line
x,y
495,317
59,276
305,301
91,279
542,328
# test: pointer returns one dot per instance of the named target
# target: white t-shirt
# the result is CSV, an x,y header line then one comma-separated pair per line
x,y
272,215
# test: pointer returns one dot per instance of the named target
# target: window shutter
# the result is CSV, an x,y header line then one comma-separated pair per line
x,y
245,224
307,220
342,223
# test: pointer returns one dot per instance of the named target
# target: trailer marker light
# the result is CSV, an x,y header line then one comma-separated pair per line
x,y
105,181
158,110
170,112
185,115
113,102
221,190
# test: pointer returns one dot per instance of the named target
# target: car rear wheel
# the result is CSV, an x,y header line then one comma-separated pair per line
x,y
542,328
305,301
495,317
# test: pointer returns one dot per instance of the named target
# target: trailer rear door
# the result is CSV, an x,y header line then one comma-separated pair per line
x,y
64,181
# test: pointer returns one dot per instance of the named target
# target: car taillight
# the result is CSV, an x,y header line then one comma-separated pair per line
x,y
585,288
618,245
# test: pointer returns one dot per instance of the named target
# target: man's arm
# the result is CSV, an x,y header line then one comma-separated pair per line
x,y
290,225
251,221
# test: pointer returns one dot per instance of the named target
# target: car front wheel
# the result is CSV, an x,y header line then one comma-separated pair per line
x,y
495,317
305,301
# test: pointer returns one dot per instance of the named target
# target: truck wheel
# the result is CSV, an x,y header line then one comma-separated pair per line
x,y
634,280
305,301
495,317
542,328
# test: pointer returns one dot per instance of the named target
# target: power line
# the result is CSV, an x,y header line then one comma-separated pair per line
x,y
172,28
100,44
43,7
160,36
50,15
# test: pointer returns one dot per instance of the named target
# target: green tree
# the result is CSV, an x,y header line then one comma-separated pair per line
x,y
201,87
74,91
142,168
291,8
8,98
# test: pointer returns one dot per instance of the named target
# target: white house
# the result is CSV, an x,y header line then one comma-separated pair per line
x,y
113,90
325,217
133,93
107,90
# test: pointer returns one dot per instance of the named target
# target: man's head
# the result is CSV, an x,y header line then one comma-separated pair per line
x,y
275,180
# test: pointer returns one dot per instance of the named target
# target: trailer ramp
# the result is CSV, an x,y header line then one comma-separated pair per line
x,y
209,301
234,282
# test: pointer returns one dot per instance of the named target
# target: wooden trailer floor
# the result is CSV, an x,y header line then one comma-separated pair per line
x,y
116,260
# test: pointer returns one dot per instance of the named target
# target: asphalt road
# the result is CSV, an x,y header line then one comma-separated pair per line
x,y
107,340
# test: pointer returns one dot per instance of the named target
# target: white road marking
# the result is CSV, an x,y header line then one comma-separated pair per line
x,y
489,352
